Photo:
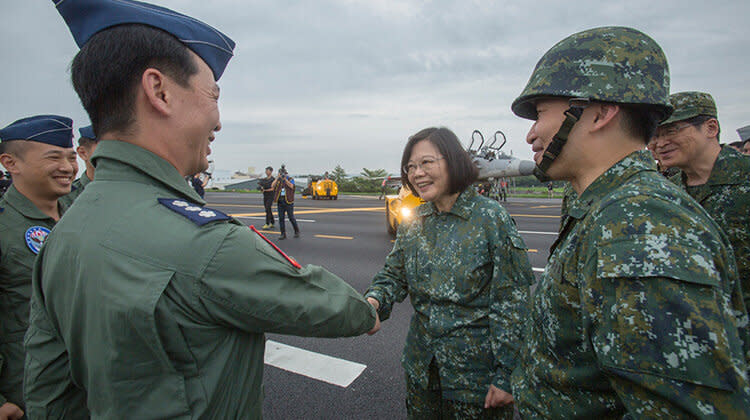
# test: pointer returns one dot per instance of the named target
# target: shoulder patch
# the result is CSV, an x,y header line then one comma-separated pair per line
x,y
35,237
291,260
198,215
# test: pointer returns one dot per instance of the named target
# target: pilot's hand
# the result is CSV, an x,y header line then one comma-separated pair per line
x,y
10,411
376,305
496,397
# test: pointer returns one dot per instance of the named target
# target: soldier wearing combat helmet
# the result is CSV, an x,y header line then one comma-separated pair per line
x,y
716,176
638,312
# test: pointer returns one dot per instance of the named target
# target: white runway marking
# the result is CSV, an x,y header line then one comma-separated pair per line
x,y
537,269
538,233
264,218
318,366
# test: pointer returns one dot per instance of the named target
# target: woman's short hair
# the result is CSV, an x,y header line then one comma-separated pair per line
x,y
462,172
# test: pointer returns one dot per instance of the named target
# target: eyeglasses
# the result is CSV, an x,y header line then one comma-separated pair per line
x,y
427,164
671,130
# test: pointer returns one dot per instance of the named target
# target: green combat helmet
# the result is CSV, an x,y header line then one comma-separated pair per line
x,y
690,104
607,64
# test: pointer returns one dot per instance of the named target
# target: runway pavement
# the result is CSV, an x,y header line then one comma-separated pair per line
x,y
349,238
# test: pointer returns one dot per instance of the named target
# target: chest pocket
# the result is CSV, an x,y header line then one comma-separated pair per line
x,y
143,374
660,312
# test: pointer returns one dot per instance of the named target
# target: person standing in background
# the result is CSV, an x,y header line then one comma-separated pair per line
x,y
265,185
283,187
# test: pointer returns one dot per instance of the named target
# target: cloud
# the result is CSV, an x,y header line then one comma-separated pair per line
x,y
315,84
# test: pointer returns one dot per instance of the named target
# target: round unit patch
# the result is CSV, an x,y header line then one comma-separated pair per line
x,y
35,237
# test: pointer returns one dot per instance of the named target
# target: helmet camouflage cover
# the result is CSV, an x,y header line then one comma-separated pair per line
x,y
607,64
690,104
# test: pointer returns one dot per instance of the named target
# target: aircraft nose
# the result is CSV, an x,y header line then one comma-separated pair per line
x,y
526,167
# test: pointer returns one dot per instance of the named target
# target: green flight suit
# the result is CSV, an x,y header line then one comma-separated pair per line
x,y
638,311
76,189
726,197
467,274
156,309
18,219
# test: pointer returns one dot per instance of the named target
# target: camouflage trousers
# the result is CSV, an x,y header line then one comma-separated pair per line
x,y
428,404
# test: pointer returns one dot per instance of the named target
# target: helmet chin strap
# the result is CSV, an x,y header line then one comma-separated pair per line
x,y
572,115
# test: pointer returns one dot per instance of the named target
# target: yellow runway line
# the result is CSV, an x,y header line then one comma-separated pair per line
x,y
251,206
317,211
544,207
266,232
533,250
334,237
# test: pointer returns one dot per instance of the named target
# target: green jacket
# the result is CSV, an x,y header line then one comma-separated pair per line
x,y
467,274
726,197
144,308
23,228
638,309
76,189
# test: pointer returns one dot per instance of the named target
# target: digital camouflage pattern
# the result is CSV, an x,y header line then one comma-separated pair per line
x,y
569,194
726,198
17,215
467,274
429,403
690,104
610,64
76,189
638,311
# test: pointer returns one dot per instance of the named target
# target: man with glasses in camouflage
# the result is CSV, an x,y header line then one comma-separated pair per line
x,y
716,176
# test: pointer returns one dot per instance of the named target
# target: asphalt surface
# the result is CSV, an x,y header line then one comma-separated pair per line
x,y
348,237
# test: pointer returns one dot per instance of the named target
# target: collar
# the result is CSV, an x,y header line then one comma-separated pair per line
x,y
462,207
638,161
23,205
731,168
84,179
115,161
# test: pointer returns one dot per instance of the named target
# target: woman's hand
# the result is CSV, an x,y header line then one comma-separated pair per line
x,y
375,304
496,397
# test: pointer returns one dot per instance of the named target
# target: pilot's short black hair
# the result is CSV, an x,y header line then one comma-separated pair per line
x,y
108,67
462,172
269,168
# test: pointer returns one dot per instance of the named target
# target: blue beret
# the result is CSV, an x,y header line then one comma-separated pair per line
x,y
49,129
87,132
87,17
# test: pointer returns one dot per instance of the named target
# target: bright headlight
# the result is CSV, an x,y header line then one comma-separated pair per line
x,y
405,212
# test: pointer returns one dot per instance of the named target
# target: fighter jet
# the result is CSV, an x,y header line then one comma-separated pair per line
x,y
495,164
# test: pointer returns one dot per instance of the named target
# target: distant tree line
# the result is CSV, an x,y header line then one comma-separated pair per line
x,y
369,180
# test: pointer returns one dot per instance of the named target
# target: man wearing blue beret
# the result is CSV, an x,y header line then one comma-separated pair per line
x,y
86,146
159,309
38,153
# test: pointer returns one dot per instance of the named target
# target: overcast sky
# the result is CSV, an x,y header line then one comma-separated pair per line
x,y
318,83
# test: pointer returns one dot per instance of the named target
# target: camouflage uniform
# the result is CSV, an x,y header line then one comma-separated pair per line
x,y
629,315
726,197
569,195
467,274
639,310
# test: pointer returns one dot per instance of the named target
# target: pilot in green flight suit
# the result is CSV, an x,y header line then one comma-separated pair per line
x,y
160,308
86,147
38,152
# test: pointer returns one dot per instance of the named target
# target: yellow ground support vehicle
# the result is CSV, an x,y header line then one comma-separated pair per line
x,y
321,188
400,208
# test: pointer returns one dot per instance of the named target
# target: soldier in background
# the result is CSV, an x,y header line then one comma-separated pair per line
x,y
638,312
744,133
38,151
716,177
86,145
146,303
